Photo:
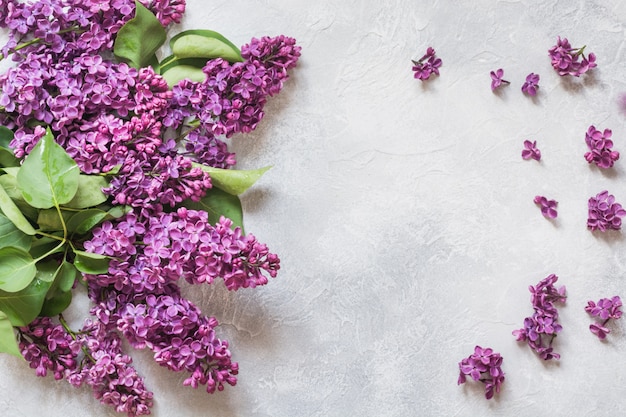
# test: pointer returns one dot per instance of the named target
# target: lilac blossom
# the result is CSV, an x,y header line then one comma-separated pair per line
x,y
548,207
604,213
570,61
531,84
600,147
483,365
497,80
540,329
531,151
605,309
427,65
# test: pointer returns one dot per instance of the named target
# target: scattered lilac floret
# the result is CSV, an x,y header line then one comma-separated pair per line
x,y
604,213
483,365
565,59
600,148
496,79
531,151
606,309
427,65
548,207
531,85
541,328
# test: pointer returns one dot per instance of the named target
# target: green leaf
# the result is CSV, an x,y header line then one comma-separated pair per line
x,y
6,136
233,181
8,341
7,159
9,183
177,73
91,263
12,236
89,193
24,306
13,213
219,203
45,246
49,220
49,176
204,44
138,40
17,269
59,296
85,220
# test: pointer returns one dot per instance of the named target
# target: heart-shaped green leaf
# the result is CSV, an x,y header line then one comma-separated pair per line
x,y
89,193
139,38
85,220
17,270
49,176
13,213
204,44
91,263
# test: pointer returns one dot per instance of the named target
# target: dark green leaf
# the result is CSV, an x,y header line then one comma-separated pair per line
x,y
204,44
56,304
59,296
91,263
233,181
23,306
139,38
89,193
12,236
8,341
49,176
49,220
13,213
6,136
45,245
7,159
17,270
219,203
85,220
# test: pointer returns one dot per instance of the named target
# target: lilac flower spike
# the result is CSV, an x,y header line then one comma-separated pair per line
x,y
496,79
606,309
483,365
604,213
600,148
565,59
427,65
531,85
531,151
548,207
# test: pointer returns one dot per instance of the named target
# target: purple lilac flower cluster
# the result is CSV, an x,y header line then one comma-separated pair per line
x,y
541,328
605,309
93,357
483,365
604,213
570,61
600,147
128,124
548,207
427,65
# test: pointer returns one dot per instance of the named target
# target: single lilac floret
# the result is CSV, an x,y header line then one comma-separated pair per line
x,y
531,151
531,85
497,80
485,366
548,207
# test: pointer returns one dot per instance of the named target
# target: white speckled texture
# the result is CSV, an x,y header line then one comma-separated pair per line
x,y
404,217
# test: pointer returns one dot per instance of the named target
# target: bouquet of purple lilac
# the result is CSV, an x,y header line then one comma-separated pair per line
x,y
115,174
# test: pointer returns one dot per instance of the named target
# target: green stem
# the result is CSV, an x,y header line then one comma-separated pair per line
x,y
37,40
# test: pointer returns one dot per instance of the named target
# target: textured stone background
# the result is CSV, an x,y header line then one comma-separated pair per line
x,y
404,218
